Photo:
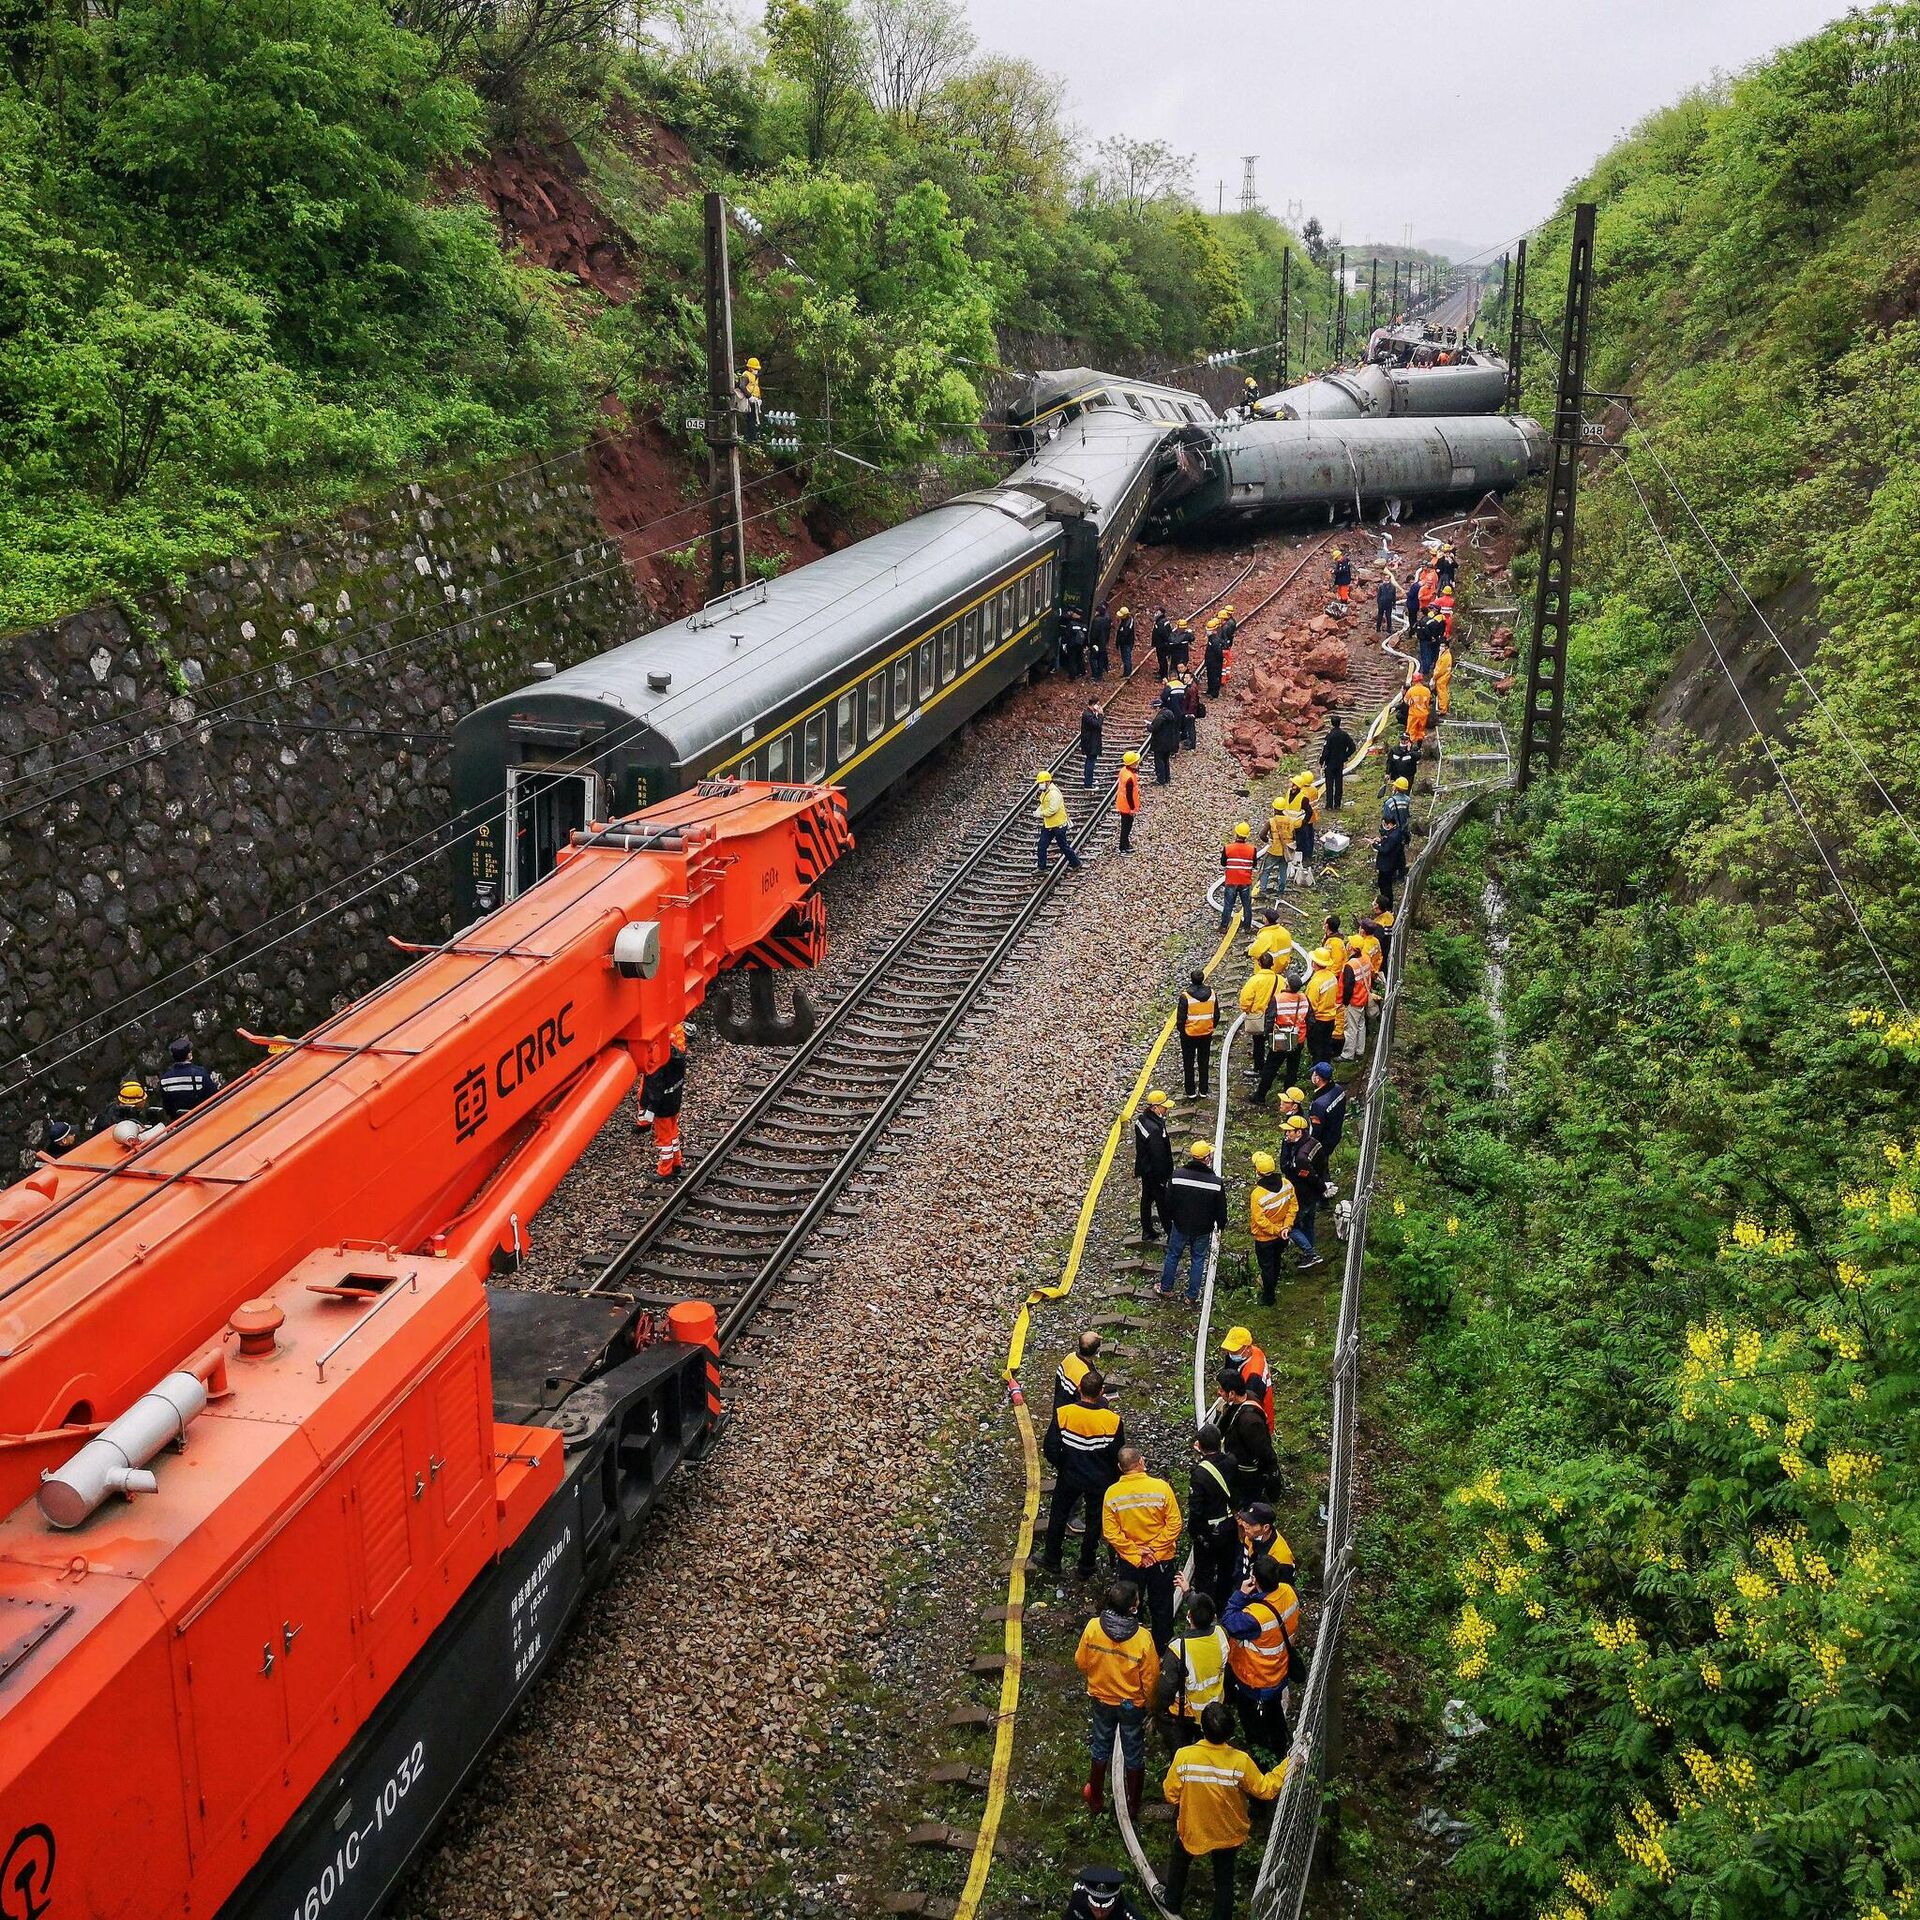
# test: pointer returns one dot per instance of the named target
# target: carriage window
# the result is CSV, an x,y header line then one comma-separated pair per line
x,y
876,706
846,726
926,669
746,770
777,759
1023,605
814,748
949,646
1006,613
903,686
971,631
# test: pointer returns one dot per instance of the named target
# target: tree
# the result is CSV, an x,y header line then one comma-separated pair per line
x,y
1001,117
914,48
820,47
1132,175
1313,236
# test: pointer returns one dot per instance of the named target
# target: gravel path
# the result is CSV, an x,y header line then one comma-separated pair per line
x,y
700,1746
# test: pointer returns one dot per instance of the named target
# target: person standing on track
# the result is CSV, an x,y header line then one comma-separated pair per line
x,y
1198,1197
1286,1038
1163,740
1215,656
1153,1162
1275,854
1093,733
1052,815
1190,714
1123,639
660,1096
1335,752
1126,796
1162,643
1342,579
1083,1447
1073,643
1237,860
1181,647
1122,1666
1386,596
1197,1013
1140,1521
1209,1783
1210,1521
1099,636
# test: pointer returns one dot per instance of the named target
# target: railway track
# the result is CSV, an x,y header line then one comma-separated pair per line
x,y
737,1221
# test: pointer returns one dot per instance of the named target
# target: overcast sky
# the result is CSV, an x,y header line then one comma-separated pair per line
x,y
1465,121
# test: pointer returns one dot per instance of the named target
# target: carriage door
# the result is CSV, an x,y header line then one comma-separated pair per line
x,y
544,805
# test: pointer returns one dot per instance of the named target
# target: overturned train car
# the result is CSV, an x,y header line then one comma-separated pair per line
x,y
1271,468
1478,385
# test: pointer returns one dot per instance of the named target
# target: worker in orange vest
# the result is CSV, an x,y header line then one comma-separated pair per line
x,y
1197,1011
1262,1617
1244,1352
1126,796
1446,611
1419,710
1238,858
1342,577
660,1095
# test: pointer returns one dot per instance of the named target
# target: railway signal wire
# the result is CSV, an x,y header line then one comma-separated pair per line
x,y
1647,447
1759,732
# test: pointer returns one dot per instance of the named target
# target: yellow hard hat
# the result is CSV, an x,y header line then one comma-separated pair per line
x,y
1042,778
1296,1123
1129,758
1279,805
1242,831
132,1093
1337,554
753,365
1122,614
1238,1338
1400,784
1158,1099
679,1035
1263,1162
1294,1093
1228,608
1200,1150
1321,957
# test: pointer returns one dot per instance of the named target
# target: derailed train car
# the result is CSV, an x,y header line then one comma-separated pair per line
x,y
1476,385
1272,468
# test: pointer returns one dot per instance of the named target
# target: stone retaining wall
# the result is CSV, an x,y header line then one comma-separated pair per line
x,y
183,778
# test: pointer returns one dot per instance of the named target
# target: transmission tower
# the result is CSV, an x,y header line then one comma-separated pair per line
x,y
1249,199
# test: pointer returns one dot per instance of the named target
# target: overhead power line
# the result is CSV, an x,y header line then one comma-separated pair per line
x,y
1759,732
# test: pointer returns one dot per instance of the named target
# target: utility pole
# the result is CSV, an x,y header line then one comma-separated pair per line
x,y
726,514
1540,725
1340,342
1286,311
1396,290
1373,298
1516,336
1249,200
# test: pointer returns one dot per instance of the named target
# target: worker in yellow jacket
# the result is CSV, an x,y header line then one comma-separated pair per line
x,y
1256,995
1140,1521
1272,938
1209,1785
1122,1666
1325,1016
1442,681
1272,1208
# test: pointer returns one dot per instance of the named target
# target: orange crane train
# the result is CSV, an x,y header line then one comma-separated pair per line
x,y
296,1502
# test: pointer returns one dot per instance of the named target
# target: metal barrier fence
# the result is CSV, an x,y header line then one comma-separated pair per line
x,y
1286,1864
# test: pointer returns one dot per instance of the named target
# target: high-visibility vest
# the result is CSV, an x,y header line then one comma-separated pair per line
x,y
1126,797
1263,1661
1289,1015
1362,978
1272,1207
1200,1014
1280,832
1239,856
1066,1382
1204,1679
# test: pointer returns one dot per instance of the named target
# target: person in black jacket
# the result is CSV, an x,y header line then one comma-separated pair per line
x,y
1403,762
1327,1116
184,1082
1123,640
1210,1523
1247,1441
1386,596
1083,1447
1099,1894
1162,642
1099,635
1303,1159
1334,755
1152,1162
1197,1199
1215,656
1163,739
660,1094
1190,714
1390,861
1092,736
